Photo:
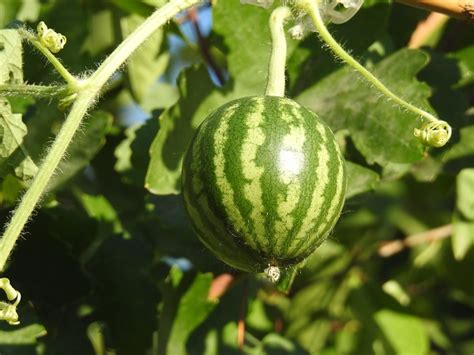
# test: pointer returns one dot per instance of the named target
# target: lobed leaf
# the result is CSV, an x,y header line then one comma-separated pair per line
x,y
346,101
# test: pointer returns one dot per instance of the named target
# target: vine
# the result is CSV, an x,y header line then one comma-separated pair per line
x,y
84,93
434,131
48,41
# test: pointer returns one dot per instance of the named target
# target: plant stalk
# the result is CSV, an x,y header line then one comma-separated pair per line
x,y
70,79
461,9
276,68
86,97
311,7
32,90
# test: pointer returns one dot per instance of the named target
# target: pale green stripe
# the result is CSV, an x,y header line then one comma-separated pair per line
x,y
336,203
292,163
253,190
201,227
329,219
222,183
317,199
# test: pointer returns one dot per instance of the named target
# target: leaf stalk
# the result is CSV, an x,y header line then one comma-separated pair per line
x,y
312,8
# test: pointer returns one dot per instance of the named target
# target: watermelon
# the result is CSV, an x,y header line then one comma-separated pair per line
x,y
263,182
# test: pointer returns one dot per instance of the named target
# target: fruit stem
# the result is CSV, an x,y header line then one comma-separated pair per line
x,y
86,97
312,8
276,68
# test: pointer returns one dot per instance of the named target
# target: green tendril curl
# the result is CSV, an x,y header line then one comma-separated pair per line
x,y
46,40
434,134
434,138
8,311
49,38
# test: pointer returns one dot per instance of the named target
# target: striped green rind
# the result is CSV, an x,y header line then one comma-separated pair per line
x,y
263,182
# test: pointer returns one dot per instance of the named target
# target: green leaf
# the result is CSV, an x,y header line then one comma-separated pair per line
x,y
381,131
185,306
10,190
463,236
101,36
99,208
23,336
13,154
308,322
248,48
465,58
8,10
460,154
276,344
177,126
160,96
361,179
257,317
465,193
405,333
133,154
134,7
463,220
148,63
125,292
29,11
84,147
11,62
312,61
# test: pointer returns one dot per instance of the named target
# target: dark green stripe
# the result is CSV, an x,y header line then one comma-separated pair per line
x,y
233,168
274,130
307,246
309,179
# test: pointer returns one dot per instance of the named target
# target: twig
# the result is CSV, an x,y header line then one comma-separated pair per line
x,y
426,28
204,47
390,248
242,314
220,285
461,9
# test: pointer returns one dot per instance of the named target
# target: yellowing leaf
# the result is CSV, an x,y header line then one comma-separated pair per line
x,y
11,62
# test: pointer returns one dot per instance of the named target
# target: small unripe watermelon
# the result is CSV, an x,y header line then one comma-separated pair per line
x,y
263,182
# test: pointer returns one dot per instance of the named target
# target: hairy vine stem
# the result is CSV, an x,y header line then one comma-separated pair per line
x,y
276,69
70,79
444,130
32,90
87,95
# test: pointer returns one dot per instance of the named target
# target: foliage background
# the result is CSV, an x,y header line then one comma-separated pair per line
x,y
109,264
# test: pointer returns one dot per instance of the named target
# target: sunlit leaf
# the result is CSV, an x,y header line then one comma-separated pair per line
x,y
344,100
404,332
185,306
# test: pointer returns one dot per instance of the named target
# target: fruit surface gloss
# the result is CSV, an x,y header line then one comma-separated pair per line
x,y
263,182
